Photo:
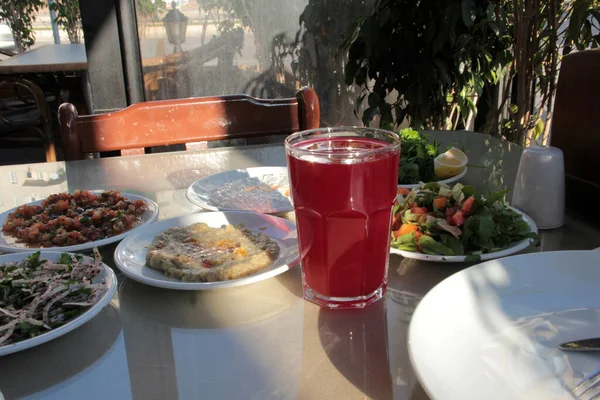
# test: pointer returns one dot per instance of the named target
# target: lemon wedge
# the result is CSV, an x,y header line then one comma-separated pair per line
x,y
450,163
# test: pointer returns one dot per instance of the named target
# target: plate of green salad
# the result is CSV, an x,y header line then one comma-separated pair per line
x,y
422,160
437,222
44,295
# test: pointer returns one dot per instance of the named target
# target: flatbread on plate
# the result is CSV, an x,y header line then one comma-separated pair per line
x,y
200,253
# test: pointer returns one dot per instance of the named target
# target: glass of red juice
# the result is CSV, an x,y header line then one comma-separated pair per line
x,y
343,185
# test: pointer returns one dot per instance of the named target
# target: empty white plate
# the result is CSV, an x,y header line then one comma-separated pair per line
x,y
260,189
491,331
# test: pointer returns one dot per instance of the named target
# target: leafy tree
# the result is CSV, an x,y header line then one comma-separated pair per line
x,y
431,61
424,60
541,32
148,9
19,15
68,17
317,60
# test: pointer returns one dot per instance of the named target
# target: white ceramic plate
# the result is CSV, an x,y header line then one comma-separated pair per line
x,y
130,255
9,245
277,201
447,181
514,248
106,274
491,331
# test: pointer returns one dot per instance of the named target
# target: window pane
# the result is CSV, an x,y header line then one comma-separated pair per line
x,y
257,47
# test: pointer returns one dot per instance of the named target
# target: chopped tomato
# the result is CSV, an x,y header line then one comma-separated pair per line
x,y
450,211
440,202
468,205
26,211
61,205
458,218
64,218
419,210
402,191
414,204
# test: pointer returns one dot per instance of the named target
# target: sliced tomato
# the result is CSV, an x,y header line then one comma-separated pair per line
x,y
450,211
419,210
403,191
440,202
468,205
458,218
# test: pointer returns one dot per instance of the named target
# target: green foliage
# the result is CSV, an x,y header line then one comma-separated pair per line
x,y
435,55
68,17
584,20
149,10
225,16
538,43
432,61
317,59
19,15
417,156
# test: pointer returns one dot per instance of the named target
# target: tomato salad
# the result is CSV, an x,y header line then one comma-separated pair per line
x,y
440,220
69,219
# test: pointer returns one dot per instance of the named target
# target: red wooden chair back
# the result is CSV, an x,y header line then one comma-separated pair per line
x,y
184,121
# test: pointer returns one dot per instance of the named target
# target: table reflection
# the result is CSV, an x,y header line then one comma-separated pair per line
x,y
230,343
67,367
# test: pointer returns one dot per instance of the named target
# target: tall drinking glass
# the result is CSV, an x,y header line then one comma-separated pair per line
x,y
343,184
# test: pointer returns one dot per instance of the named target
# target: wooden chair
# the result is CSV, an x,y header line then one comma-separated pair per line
x,y
184,121
576,127
23,112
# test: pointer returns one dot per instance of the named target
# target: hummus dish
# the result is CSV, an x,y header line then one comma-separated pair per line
x,y
200,253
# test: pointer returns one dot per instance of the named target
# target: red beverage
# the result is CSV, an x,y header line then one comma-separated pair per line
x,y
343,190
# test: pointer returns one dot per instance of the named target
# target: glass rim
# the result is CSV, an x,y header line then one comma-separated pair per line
x,y
390,146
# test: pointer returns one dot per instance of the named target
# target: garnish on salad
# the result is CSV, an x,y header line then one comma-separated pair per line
x,y
422,161
38,295
416,155
455,221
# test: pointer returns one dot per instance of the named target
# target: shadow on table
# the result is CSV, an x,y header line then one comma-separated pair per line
x,y
41,367
356,343
418,393
205,309
292,281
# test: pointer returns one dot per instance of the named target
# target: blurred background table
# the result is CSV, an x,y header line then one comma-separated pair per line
x,y
260,341
49,58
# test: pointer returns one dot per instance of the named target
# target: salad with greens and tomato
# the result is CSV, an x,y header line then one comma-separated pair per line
x,y
437,219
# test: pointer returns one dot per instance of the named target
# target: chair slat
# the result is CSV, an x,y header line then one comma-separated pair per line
x,y
183,121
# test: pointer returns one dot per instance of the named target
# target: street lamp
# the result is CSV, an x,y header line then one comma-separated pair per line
x,y
175,23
